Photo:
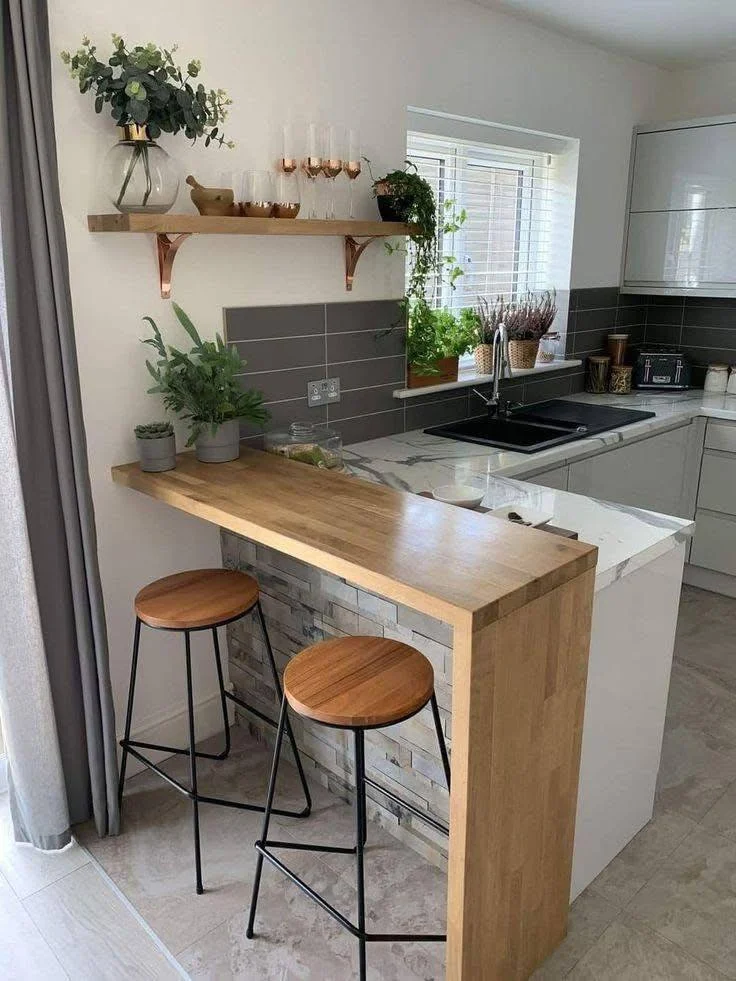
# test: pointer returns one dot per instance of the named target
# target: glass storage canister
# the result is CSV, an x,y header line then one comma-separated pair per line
x,y
619,382
308,443
716,378
731,387
548,348
617,347
596,376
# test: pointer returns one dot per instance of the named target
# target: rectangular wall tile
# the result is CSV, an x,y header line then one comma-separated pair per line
x,y
364,344
437,413
281,384
723,317
664,315
371,427
660,334
365,374
251,323
293,352
375,315
594,298
283,413
363,401
709,337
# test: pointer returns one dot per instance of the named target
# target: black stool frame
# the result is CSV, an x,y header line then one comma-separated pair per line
x,y
133,747
361,781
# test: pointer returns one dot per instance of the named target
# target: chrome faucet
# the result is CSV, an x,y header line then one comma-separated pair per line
x,y
501,369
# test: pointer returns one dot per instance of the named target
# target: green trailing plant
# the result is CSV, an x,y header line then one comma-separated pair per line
x,y
201,385
413,198
154,430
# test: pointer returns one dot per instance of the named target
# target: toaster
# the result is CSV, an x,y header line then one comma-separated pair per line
x,y
661,369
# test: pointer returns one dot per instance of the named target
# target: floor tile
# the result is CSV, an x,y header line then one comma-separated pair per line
x,y
636,864
26,868
692,900
590,915
628,952
704,631
24,954
93,933
721,818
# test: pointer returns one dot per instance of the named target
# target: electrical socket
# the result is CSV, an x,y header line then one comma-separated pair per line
x,y
323,392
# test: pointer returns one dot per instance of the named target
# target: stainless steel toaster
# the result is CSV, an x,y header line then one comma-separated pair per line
x,y
661,369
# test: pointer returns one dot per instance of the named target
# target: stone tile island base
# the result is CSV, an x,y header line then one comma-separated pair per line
x,y
303,605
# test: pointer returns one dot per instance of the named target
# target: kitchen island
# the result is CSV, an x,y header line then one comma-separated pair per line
x,y
519,604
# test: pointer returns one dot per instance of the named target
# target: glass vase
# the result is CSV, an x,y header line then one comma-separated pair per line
x,y
139,175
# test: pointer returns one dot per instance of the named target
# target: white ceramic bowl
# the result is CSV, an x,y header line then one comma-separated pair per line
x,y
534,518
463,495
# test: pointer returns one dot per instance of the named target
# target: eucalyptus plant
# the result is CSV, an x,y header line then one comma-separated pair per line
x,y
201,385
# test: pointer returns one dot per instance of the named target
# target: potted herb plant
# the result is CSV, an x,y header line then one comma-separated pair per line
x,y
527,320
148,94
156,446
435,341
201,386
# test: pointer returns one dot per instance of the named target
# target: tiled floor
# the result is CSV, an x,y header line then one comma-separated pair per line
x,y
663,910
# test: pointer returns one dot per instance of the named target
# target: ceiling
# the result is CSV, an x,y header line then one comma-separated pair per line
x,y
670,33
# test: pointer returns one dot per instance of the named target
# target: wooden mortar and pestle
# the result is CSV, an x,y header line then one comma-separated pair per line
x,y
212,200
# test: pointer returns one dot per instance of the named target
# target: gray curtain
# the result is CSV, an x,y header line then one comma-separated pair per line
x,y
52,464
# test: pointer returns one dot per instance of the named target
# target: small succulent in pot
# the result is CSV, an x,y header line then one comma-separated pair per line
x,y
201,386
156,446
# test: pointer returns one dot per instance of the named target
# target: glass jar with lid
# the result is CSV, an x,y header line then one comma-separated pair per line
x,y
716,378
308,443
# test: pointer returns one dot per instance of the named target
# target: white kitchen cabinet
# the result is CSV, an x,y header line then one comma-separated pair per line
x,y
658,473
681,223
557,478
714,545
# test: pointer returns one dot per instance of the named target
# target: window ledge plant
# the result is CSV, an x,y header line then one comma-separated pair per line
x,y
201,387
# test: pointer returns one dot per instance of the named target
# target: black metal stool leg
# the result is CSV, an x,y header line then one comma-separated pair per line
x,y
267,816
223,698
441,739
193,764
277,683
129,713
359,842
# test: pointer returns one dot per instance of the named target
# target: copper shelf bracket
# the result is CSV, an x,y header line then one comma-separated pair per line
x,y
353,252
166,249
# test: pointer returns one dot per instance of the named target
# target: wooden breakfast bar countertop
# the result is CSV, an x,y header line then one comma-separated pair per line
x,y
520,603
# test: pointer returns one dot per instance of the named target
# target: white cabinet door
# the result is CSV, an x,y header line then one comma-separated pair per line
x,y
717,490
714,546
655,473
556,479
685,168
682,249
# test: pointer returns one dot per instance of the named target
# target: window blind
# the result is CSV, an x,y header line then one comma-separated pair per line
x,y
512,200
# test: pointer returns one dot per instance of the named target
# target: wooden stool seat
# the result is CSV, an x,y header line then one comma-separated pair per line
x,y
196,599
358,682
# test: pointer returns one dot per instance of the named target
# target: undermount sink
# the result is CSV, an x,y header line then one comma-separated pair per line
x,y
541,426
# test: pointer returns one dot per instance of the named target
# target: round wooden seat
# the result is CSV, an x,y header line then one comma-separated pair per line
x,y
358,682
196,599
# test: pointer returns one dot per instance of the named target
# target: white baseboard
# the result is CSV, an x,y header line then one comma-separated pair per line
x,y
172,729
714,582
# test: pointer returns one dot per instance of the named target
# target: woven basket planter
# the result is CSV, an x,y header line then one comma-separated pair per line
x,y
523,354
483,355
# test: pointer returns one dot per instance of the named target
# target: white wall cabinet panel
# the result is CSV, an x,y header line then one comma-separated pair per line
x,y
685,168
682,249
557,478
654,473
681,226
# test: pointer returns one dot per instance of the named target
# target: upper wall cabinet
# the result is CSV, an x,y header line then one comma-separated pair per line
x,y
681,229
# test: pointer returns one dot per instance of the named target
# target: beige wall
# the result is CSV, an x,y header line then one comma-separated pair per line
x,y
338,61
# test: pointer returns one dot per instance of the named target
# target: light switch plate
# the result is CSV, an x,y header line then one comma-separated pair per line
x,y
323,392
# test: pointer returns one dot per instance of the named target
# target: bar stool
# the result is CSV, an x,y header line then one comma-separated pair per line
x,y
202,599
355,683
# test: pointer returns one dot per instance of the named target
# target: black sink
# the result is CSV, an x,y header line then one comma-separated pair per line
x,y
540,426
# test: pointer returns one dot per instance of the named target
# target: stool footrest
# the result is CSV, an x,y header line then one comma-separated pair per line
x,y
337,915
422,815
298,846
203,799
174,749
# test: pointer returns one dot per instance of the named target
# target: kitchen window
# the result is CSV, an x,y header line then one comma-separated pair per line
x,y
511,198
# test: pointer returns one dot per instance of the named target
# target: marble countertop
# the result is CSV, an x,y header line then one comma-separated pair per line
x,y
627,537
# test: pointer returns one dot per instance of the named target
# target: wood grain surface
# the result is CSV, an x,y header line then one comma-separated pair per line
x,y
196,598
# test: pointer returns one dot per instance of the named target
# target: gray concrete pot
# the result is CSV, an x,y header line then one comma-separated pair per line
x,y
223,446
156,455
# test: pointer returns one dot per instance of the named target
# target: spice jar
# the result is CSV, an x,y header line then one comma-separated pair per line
x,y
596,375
716,378
617,347
620,381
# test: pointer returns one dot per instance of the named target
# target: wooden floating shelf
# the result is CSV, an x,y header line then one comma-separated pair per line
x,y
182,226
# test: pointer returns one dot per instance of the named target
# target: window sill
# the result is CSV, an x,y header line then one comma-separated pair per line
x,y
468,376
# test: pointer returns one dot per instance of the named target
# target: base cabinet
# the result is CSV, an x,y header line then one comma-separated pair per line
x,y
658,473
714,546
557,478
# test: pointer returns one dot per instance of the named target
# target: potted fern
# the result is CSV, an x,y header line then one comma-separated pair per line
x,y
156,446
201,386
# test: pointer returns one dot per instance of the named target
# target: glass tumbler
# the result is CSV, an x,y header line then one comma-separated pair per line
x,y
286,199
256,196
